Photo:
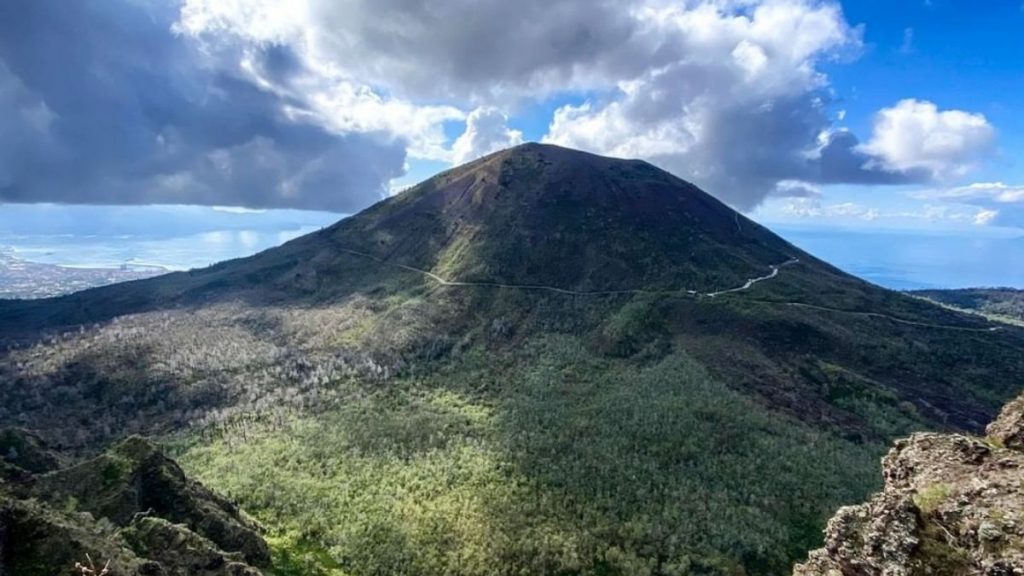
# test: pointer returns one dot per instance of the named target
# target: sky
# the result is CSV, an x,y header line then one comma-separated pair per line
x,y
859,116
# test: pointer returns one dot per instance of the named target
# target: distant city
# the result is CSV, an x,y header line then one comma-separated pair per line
x,y
24,279
49,250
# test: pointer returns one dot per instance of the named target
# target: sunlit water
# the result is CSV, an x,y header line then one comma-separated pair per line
x,y
173,253
173,237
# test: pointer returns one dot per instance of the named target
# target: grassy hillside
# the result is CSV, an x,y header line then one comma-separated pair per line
x,y
517,367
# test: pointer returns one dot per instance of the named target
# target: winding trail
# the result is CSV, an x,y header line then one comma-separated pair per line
x,y
750,283
693,294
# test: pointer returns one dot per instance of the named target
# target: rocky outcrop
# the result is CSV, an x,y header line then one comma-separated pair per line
x,y
1008,429
951,505
131,506
27,451
136,479
184,551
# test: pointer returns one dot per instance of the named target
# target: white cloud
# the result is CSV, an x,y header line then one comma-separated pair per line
x,y
486,131
916,135
796,189
814,208
995,192
725,93
985,217
347,107
315,90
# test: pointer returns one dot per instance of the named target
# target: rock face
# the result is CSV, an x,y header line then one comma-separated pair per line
x,y
1008,429
131,506
951,505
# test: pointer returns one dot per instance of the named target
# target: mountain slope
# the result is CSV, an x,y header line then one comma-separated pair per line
x,y
544,361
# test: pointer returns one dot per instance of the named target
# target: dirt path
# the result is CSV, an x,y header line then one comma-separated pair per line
x,y
750,283
775,271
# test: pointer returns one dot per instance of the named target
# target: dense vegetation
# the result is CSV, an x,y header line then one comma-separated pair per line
x,y
1004,303
379,421
575,464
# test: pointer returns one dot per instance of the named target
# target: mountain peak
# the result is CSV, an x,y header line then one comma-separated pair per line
x,y
543,214
554,153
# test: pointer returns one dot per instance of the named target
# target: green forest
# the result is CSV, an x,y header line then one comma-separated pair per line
x,y
566,464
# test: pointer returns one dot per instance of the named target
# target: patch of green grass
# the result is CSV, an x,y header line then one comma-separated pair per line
x,y
295,557
931,497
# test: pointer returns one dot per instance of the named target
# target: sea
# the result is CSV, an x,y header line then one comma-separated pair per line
x,y
170,237
911,260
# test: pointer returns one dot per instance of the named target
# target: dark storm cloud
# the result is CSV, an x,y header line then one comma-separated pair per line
x,y
101,103
480,48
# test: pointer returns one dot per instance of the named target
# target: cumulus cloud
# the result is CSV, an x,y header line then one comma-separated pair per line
x,y
467,50
916,135
741,106
486,131
843,160
112,107
727,93
738,106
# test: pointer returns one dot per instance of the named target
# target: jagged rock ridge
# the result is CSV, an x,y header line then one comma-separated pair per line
x,y
131,506
952,504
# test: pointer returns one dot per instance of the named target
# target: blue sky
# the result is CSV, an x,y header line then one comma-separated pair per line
x,y
960,55
862,116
